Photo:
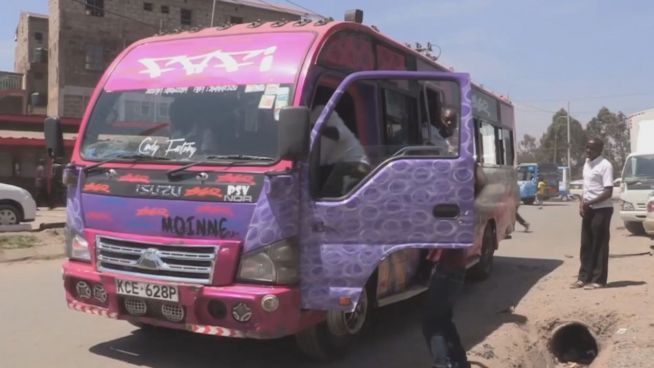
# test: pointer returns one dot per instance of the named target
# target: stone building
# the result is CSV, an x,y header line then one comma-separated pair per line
x,y
86,35
31,61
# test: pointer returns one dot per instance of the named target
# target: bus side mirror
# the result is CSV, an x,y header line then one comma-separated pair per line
x,y
294,129
54,137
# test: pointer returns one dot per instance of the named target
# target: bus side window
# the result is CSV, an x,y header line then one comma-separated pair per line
x,y
489,147
399,111
342,161
507,140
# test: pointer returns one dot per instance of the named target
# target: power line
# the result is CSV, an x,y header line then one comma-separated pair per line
x,y
590,97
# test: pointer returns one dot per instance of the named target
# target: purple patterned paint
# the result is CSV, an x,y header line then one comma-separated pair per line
x,y
276,215
390,212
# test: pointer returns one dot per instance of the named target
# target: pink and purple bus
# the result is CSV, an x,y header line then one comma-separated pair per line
x,y
201,196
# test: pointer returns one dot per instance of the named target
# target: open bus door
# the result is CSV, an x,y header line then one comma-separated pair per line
x,y
413,199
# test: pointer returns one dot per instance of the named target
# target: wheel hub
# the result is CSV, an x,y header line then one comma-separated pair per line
x,y
7,217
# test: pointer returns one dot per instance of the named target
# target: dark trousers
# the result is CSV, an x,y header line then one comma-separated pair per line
x,y
594,255
437,326
520,219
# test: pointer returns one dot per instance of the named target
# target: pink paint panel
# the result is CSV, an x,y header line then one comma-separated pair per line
x,y
213,61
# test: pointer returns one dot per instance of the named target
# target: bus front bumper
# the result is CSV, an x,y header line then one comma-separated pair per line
x,y
237,310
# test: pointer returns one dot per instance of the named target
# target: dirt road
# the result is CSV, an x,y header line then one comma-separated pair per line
x,y
505,321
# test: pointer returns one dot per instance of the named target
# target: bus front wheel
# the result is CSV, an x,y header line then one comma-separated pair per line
x,y
333,337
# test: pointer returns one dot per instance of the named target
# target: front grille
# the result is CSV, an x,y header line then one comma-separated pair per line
x,y
188,263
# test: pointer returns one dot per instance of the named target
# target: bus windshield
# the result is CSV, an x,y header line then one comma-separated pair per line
x,y
186,124
526,172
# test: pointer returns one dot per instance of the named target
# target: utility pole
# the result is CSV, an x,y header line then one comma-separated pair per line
x,y
570,173
213,11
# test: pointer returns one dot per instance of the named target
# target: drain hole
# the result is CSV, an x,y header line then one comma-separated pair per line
x,y
573,343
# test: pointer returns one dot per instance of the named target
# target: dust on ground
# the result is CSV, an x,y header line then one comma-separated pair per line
x,y
529,299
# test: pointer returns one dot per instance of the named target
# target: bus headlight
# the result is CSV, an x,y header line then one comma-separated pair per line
x,y
277,263
77,247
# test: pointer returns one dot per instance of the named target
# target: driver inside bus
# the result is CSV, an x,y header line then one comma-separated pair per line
x,y
341,154
201,124
440,130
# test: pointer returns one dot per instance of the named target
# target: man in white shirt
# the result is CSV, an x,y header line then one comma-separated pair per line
x,y
342,153
596,209
338,144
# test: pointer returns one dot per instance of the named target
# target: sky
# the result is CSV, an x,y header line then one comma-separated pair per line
x,y
542,54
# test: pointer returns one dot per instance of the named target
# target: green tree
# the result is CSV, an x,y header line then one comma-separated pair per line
x,y
554,142
527,149
613,129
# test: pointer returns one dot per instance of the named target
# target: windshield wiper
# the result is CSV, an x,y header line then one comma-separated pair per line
x,y
240,157
122,158
233,159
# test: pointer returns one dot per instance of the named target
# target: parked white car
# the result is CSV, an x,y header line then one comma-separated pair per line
x,y
16,205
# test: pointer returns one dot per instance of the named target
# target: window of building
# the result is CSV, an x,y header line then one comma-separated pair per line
x,y
95,8
148,6
235,20
186,17
165,9
145,108
38,36
94,58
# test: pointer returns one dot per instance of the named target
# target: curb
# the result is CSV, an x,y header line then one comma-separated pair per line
x,y
51,225
43,257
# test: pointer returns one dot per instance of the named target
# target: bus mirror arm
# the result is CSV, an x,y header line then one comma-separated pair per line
x,y
294,129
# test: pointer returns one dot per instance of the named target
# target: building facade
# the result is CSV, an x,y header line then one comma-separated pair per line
x,y
86,35
31,60
12,95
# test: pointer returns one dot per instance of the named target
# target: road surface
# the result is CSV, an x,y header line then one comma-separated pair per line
x,y
37,329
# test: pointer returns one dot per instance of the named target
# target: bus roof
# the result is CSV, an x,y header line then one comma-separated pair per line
x,y
322,29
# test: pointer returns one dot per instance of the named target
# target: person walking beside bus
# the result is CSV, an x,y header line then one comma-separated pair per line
x,y
438,326
596,209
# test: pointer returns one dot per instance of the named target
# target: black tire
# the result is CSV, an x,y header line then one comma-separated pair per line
x,y
9,215
529,201
324,342
635,228
483,269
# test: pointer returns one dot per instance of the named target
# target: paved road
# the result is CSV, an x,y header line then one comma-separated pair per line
x,y
37,330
